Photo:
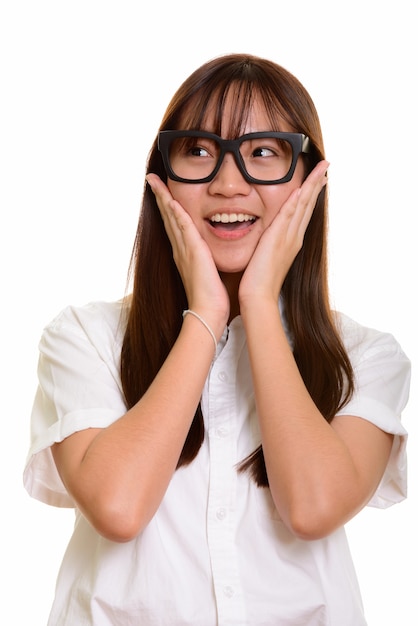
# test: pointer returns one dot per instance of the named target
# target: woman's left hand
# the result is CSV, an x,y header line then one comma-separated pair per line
x,y
206,294
281,241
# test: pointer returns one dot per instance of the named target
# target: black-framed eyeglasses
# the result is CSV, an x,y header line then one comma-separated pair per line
x,y
264,158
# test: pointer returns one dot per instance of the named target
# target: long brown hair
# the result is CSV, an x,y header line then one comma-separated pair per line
x,y
158,297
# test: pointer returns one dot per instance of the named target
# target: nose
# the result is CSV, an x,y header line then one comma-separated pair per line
x,y
229,180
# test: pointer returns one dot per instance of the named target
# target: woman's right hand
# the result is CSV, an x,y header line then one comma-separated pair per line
x,y
118,475
206,294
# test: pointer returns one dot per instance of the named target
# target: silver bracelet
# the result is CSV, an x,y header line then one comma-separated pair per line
x,y
205,324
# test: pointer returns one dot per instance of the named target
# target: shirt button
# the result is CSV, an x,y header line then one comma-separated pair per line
x,y
222,431
223,376
221,514
229,592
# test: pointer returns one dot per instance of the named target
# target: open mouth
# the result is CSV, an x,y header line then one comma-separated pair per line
x,y
232,221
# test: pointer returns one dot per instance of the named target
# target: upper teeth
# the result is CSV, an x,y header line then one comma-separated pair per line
x,y
227,218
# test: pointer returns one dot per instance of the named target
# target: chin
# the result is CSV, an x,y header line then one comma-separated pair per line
x,y
233,259
231,268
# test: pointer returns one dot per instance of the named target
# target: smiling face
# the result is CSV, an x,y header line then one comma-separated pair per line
x,y
230,213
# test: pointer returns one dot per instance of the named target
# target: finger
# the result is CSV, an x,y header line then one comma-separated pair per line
x,y
307,195
159,188
313,184
176,219
161,193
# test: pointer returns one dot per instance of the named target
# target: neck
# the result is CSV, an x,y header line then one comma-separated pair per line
x,y
231,282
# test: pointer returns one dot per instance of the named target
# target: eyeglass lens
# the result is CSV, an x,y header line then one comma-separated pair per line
x,y
267,158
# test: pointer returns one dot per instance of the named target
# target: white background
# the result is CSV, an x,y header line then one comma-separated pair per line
x,y
84,85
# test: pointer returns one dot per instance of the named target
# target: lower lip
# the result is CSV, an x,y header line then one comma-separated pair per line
x,y
230,235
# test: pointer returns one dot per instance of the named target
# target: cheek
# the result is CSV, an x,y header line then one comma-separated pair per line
x,y
275,196
174,188
274,199
184,194
189,197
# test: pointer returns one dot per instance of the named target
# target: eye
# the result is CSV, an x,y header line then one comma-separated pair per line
x,y
200,148
198,151
263,151
271,148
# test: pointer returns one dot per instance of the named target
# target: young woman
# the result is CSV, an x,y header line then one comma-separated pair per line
x,y
216,429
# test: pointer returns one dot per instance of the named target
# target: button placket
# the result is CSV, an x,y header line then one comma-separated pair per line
x,y
222,490
221,513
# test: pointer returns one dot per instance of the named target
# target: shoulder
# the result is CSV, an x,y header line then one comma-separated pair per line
x,y
382,373
91,319
95,328
362,342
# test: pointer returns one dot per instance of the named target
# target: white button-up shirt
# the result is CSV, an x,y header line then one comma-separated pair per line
x,y
216,551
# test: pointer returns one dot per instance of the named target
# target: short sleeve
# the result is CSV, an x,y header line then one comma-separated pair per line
x,y
79,387
382,376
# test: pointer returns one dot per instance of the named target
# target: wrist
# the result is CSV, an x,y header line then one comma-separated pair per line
x,y
258,307
215,319
204,323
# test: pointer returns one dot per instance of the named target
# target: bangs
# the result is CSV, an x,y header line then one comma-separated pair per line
x,y
206,109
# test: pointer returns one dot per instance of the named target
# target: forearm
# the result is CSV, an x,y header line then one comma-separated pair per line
x,y
120,478
310,469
